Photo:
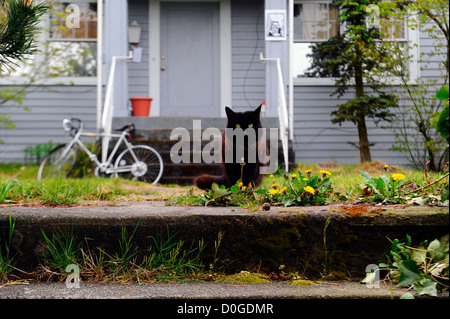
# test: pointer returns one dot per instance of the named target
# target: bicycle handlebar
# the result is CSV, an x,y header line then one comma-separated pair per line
x,y
73,126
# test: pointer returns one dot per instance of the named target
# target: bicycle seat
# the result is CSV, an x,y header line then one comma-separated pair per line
x,y
128,127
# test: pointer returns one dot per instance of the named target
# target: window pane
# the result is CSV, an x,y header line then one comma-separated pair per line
x,y
334,29
322,30
62,18
314,21
301,61
74,58
321,13
393,30
333,13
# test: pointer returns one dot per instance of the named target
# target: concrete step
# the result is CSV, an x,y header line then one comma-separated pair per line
x,y
296,237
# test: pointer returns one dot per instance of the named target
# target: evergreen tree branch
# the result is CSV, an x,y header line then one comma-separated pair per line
x,y
18,32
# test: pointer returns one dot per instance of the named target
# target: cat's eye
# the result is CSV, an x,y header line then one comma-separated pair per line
x,y
238,125
250,125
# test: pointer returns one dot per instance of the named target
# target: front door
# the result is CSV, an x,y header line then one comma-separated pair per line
x,y
190,57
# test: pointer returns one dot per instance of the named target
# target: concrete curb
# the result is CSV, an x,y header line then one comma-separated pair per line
x,y
203,290
295,237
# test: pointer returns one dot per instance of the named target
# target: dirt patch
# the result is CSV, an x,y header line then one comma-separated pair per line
x,y
157,192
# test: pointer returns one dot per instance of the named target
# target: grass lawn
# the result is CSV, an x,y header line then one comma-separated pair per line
x,y
18,185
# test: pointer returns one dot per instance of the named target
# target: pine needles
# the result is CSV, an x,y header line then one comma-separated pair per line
x,y
18,32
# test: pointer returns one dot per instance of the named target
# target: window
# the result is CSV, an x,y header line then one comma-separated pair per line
x,y
67,53
317,21
313,23
72,37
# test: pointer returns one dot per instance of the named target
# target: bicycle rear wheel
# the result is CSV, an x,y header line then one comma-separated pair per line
x,y
59,163
141,163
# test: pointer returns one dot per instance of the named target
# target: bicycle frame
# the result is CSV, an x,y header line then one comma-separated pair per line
x,y
103,167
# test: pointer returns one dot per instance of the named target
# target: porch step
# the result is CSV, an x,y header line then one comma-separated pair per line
x,y
156,132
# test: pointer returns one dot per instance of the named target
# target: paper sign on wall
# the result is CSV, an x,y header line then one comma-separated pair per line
x,y
275,25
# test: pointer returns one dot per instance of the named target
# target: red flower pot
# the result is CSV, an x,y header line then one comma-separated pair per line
x,y
141,105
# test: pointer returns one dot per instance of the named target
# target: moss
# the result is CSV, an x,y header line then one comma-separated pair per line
x,y
246,277
303,283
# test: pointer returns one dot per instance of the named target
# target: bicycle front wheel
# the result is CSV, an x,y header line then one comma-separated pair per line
x,y
141,163
59,163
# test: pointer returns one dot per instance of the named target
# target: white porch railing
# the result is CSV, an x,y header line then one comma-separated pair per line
x,y
282,111
108,108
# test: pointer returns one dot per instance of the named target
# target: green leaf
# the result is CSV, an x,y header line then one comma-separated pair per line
x,y
443,93
419,256
444,242
417,201
427,287
409,273
218,192
436,251
407,295
366,176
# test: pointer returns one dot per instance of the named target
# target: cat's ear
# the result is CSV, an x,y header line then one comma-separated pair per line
x,y
229,111
258,110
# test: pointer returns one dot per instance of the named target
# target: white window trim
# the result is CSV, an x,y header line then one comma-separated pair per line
x,y
60,80
414,66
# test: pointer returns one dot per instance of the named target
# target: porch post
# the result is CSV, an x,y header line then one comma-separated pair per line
x,y
275,49
116,44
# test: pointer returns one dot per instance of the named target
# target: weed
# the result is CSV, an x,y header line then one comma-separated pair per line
x,y
6,259
170,259
426,267
61,250
326,264
5,190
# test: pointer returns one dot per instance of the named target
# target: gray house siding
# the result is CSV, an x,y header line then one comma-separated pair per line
x,y
317,140
248,73
48,106
138,82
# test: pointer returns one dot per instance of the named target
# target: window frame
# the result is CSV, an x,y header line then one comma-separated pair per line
x,y
412,41
44,37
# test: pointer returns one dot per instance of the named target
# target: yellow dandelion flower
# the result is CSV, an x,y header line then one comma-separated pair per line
x,y
240,184
398,177
309,189
305,179
324,173
273,191
283,189
275,185
386,167
244,188
271,175
293,175
308,171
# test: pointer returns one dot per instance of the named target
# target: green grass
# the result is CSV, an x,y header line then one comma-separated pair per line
x,y
18,184
167,259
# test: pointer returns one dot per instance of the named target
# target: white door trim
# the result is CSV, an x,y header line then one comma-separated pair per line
x,y
155,54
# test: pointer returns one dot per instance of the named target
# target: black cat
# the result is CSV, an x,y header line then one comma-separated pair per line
x,y
234,169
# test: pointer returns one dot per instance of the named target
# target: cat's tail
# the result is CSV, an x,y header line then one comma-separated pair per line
x,y
205,181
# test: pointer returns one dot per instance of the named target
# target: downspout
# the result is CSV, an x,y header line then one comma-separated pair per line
x,y
99,63
290,18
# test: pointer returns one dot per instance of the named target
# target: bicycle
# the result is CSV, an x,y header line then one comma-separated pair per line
x,y
138,162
